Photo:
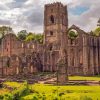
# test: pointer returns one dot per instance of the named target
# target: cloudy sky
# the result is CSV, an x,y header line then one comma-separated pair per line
x,y
28,14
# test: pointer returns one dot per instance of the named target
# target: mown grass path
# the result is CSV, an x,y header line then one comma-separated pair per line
x,y
95,78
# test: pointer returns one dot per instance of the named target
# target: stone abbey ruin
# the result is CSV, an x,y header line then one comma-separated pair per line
x,y
83,52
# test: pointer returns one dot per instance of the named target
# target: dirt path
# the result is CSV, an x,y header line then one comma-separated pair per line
x,y
46,79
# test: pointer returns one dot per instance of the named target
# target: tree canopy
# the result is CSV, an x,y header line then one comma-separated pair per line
x,y
30,37
72,34
35,37
39,38
97,31
3,31
22,34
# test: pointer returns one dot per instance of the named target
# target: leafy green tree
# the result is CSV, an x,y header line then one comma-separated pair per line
x,y
39,38
22,34
36,37
30,37
72,34
97,31
3,31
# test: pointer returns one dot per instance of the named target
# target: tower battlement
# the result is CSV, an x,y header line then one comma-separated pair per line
x,y
55,4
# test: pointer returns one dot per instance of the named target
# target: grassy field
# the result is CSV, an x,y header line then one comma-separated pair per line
x,y
75,92
95,78
24,91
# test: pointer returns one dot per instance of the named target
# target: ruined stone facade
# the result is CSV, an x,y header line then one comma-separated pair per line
x,y
18,56
83,52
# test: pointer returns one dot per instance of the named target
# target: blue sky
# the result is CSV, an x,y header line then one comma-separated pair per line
x,y
78,10
28,14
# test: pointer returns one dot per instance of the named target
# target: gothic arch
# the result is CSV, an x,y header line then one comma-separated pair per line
x,y
50,47
52,19
77,29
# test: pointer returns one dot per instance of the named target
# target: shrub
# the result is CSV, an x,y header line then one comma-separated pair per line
x,y
22,91
1,97
85,98
8,97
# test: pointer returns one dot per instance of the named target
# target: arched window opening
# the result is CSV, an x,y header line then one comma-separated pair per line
x,y
8,62
71,42
51,32
73,34
52,19
72,57
7,49
51,47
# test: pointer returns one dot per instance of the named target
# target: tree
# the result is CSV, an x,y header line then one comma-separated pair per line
x,y
30,37
72,34
22,34
3,31
97,31
36,37
39,38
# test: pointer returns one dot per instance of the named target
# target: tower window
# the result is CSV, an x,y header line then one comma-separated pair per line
x,y
71,41
50,48
7,49
51,32
52,19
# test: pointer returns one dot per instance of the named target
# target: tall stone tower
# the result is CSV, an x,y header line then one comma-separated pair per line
x,y
55,25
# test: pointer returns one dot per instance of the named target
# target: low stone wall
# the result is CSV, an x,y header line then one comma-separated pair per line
x,y
19,64
10,71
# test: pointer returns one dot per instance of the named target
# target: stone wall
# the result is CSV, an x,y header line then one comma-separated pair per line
x,y
20,64
83,54
18,56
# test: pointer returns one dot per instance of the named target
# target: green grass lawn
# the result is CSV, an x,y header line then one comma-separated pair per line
x,y
77,92
96,78
23,91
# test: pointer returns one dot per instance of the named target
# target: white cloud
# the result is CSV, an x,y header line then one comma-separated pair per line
x,y
88,19
6,1
28,14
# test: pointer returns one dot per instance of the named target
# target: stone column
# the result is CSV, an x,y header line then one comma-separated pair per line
x,y
17,70
85,56
51,62
91,67
62,64
62,77
76,64
97,62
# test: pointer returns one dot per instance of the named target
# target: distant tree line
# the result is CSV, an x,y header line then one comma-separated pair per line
x,y
29,36
22,35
